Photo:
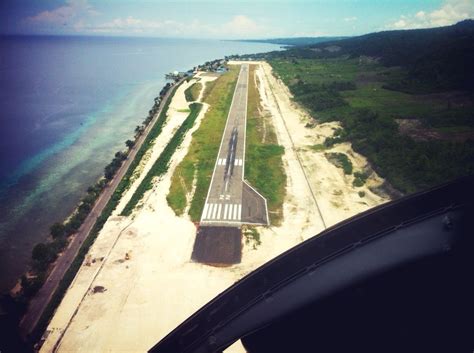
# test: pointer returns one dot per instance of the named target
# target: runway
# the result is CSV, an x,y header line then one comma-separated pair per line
x,y
230,200
227,203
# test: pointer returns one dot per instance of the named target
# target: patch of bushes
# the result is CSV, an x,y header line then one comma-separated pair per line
x,y
359,179
321,100
192,92
340,160
319,147
318,97
252,235
339,136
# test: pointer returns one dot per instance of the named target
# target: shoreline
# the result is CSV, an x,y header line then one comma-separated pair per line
x,y
38,305
63,178
157,59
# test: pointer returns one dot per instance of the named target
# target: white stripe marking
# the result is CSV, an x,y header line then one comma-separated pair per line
x,y
230,211
226,206
235,211
204,213
209,213
219,211
215,212
240,212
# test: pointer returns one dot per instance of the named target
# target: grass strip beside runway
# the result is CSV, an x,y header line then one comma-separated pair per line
x,y
198,164
263,161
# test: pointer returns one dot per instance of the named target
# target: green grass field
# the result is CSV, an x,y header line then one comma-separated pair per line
x,y
263,161
198,164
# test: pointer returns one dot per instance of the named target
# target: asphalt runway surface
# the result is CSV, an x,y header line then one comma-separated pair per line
x,y
225,204
230,201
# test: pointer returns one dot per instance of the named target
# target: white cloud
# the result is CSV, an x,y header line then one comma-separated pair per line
x,y
237,27
70,11
401,23
242,26
450,12
79,16
420,15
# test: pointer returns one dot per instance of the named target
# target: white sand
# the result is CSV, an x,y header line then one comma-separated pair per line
x,y
158,287
175,117
333,190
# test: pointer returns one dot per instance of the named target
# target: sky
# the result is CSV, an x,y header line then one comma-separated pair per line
x,y
226,19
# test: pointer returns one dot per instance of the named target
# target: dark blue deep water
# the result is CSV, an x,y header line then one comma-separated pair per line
x,y
67,104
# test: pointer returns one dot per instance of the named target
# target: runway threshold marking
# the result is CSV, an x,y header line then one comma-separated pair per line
x,y
225,206
222,211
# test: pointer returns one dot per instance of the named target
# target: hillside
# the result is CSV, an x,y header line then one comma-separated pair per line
x,y
405,99
295,41
436,58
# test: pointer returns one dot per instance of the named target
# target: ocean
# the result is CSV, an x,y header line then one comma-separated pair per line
x,y
67,104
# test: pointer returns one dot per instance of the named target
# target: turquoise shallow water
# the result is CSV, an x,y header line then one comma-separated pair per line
x,y
68,104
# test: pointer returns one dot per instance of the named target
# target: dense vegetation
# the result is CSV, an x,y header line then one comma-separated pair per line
x,y
435,59
373,82
197,166
263,161
410,165
340,160
162,163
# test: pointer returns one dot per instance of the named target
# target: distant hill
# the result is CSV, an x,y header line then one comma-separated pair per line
x,y
380,86
296,41
443,56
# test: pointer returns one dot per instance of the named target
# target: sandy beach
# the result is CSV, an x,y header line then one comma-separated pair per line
x,y
138,281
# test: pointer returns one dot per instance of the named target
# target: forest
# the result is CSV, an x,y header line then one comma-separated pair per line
x,y
378,82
